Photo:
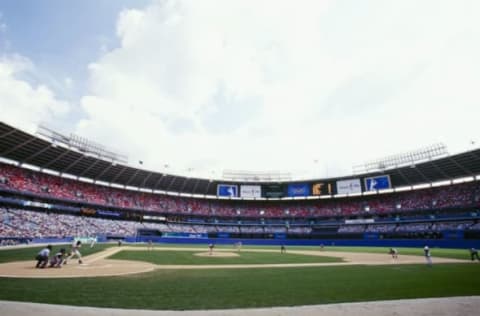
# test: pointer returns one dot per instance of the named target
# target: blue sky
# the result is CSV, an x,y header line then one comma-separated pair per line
x,y
62,37
312,87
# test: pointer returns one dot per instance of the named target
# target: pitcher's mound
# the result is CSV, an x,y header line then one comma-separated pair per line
x,y
217,254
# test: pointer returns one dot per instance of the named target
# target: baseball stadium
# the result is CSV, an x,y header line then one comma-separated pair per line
x,y
240,157
400,234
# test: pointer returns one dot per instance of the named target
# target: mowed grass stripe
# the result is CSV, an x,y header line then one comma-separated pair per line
x,y
244,257
240,288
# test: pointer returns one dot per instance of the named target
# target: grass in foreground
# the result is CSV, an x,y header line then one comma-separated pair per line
x,y
241,288
245,257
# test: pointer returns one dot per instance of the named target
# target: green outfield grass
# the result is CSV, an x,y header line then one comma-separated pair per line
x,y
21,254
245,257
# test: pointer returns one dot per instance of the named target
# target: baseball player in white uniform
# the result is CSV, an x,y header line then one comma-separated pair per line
x,y
93,241
428,255
75,252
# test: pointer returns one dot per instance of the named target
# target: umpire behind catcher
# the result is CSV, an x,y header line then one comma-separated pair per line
x,y
42,257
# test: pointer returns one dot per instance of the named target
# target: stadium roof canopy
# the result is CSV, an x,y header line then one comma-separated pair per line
x,y
25,148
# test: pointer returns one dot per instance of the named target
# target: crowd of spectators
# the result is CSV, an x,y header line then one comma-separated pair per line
x,y
416,227
41,184
275,229
228,229
11,242
23,223
410,227
383,228
475,226
16,223
451,226
252,229
351,229
300,230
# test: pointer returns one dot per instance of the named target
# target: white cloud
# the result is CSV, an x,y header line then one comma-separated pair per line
x,y
200,75
275,85
21,104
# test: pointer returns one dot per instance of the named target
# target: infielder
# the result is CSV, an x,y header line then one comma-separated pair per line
x,y
428,255
150,245
238,246
394,253
210,248
93,241
474,254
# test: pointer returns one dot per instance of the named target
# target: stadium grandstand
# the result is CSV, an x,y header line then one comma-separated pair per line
x,y
58,187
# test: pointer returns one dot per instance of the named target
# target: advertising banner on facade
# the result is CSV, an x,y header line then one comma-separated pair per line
x,y
377,183
272,191
322,188
298,189
230,190
349,186
250,191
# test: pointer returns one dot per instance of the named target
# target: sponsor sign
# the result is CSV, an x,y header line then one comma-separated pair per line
x,y
184,235
88,211
250,191
108,213
322,188
37,204
360,221
272,191
377,183
298,189
349,186
155,218
230,190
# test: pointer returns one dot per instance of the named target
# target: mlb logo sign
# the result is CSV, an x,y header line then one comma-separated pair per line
x,y
229,190
377,183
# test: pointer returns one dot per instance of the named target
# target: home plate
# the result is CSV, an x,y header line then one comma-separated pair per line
x,y
83,265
